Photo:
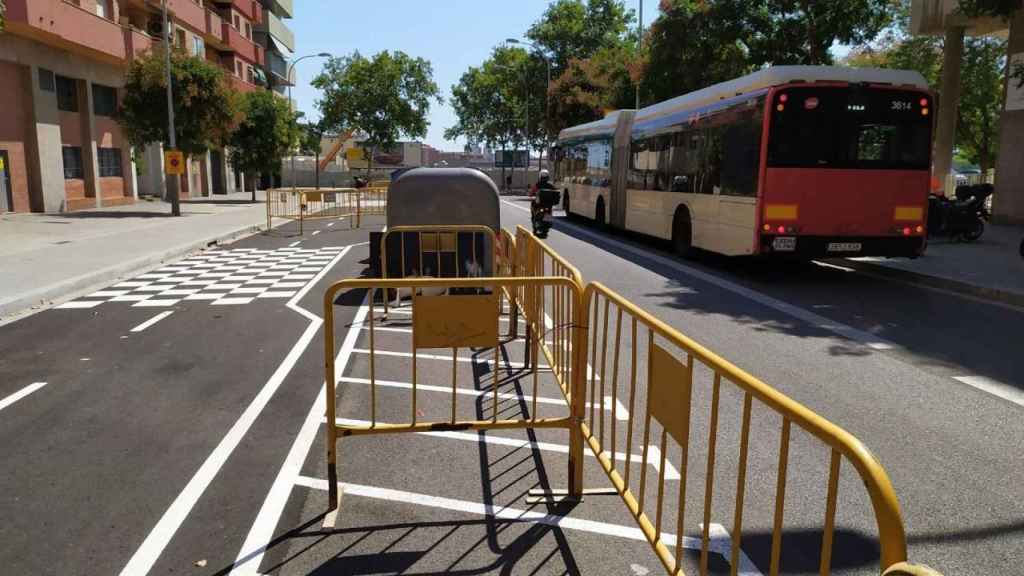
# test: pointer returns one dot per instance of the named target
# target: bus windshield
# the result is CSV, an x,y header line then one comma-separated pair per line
x,y
852,128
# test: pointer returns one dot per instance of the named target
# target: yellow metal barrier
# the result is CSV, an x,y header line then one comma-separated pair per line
x,y
303,204
658,362
556,309
467,315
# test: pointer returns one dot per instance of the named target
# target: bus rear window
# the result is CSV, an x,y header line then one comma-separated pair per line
x,y
852,128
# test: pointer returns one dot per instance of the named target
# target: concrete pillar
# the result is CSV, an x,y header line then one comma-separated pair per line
x,y
945,136
45,158
206,165
1008,201
90,151
131,177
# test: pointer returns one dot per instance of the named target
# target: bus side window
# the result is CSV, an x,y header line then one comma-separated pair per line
x,y
713,159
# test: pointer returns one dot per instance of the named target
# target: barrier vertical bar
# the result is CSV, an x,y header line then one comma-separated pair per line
x,y
329,382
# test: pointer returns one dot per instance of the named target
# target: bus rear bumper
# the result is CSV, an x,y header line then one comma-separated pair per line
x,y
810,247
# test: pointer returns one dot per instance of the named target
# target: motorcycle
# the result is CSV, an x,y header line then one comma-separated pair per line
x,y
542,211
962,219
543,218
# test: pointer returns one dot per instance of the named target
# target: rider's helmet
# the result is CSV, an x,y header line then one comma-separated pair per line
x,y
545,175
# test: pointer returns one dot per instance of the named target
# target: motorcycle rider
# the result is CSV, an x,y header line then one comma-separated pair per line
x,y
545,195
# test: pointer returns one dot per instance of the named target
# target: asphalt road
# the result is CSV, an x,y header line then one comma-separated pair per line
x,y
194,444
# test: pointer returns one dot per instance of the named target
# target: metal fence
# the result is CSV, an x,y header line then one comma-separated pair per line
x,y
303,204
603,350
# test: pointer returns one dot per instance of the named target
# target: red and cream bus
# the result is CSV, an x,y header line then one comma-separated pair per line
x,y
811,161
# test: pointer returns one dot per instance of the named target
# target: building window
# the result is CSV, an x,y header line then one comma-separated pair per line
x,y
182,38
46,81
198,47
249,75
102,9
238,22
238,68
104,100
72,162
110,163
67,94
248,31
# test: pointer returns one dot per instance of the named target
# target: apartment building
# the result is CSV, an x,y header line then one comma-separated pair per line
x,y
278,42
62,67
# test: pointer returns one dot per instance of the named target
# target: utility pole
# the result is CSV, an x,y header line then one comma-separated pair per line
x,y
173,180
640,46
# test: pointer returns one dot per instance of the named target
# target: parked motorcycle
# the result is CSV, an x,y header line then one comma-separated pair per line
x,y
963,218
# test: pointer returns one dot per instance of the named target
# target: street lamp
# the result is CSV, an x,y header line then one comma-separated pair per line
x,y
288,76
547,95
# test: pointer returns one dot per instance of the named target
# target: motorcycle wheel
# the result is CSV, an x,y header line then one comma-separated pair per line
x,y
977,228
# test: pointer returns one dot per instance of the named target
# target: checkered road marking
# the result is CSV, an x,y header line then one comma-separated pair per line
x,y
220,277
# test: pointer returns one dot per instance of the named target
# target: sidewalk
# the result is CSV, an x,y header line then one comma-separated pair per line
x,y
50,257
990,268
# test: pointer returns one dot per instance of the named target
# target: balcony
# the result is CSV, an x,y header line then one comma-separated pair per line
x,y
282,8
278,67
251,9
136,42
242,86
279,30
189,12
245,48
67,26
214,28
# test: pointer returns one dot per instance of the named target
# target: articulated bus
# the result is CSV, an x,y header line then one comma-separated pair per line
x,y
808,161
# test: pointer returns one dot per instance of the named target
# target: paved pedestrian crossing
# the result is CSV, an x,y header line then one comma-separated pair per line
x,y
220,277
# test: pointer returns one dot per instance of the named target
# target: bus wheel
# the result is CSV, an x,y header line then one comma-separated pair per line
x,y
599,213
682,233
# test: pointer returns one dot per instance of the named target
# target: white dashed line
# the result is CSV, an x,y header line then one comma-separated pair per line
x,y
20,394
152,321
156,541
294,244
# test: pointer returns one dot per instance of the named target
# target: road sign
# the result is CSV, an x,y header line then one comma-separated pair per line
x,y
174,162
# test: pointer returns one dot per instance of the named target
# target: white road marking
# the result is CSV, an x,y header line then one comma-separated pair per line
x,y
153,546
294,244
262,532
315,232
653,456
20,394
79,305
153,303
461,391
718,544
993,387
329,224
152,321
807,316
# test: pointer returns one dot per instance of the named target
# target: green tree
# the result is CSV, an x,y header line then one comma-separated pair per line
x,y
206,109
692,46
205,106
577,29
998,8
266,135
311,136
490,101
384,98
590,88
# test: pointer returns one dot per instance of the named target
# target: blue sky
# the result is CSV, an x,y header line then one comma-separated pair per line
x,y
452,34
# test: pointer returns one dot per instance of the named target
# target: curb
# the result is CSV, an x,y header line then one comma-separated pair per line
x,y
26,304
1005,296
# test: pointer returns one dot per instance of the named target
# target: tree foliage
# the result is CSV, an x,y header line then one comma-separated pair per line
x,y
266,135
998,8
589,88
384,98
578,29
490,100
206,108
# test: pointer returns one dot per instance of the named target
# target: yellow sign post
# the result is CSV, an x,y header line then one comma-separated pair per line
x,y
174,162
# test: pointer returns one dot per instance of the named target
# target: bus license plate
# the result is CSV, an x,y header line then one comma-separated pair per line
x,y
844,247
784,244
